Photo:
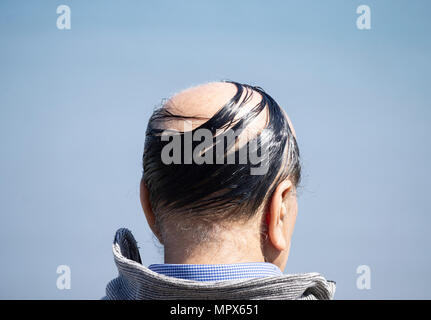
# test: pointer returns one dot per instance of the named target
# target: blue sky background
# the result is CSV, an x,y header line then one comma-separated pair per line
x,y
74,105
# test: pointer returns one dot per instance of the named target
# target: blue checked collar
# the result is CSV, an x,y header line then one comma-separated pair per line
x,y
217,272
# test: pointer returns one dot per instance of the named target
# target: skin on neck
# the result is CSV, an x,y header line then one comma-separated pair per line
x,y
230,242
236,242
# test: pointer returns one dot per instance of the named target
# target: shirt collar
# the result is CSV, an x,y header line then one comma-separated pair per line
x,y
217,272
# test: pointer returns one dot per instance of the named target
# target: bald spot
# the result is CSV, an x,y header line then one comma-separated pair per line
x,y
204,101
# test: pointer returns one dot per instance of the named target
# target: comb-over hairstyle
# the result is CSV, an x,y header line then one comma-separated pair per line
x,y
214,192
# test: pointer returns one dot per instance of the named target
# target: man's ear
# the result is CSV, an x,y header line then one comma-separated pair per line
x,y
146,206
277,216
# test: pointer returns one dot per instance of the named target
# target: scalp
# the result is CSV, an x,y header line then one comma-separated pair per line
x,y
202,102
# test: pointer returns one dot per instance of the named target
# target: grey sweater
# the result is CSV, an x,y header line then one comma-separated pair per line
x,y
135,281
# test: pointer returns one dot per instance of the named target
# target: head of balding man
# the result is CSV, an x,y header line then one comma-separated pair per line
x,y
221,161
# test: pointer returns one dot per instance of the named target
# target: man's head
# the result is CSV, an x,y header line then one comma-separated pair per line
x,y
221,166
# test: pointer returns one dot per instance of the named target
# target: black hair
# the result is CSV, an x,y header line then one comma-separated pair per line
x,y
215,191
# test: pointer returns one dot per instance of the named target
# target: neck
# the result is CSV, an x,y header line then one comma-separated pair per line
x,y
237,245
